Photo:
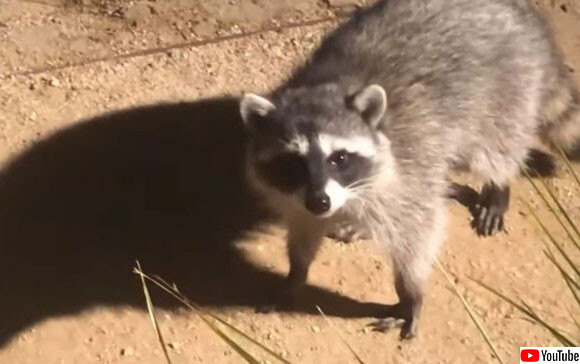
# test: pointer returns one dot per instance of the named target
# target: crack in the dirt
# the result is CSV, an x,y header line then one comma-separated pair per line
x,y
191,44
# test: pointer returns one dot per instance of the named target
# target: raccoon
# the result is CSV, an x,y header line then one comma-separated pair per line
x,y
389,104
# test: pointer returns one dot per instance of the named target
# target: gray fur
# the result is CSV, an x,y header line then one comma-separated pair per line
x,y
469,83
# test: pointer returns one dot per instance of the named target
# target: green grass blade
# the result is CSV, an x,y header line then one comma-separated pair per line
x,y
569,165
471,314
245,336
570,282
562,211
559,266
553,240
173,291
152,316
526,310
574,319
556,215
241,351
557,333
192,305
573,286
358,358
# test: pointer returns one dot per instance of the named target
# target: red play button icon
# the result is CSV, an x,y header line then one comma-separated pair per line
x,y
530,355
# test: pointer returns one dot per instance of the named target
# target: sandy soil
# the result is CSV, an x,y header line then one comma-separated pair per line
x,y
81,200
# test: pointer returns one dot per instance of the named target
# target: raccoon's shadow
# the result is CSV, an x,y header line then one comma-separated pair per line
x,y
160,184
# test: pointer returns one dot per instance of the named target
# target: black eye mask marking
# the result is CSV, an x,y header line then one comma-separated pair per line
x,y
340,159
347,168
286,172
289,171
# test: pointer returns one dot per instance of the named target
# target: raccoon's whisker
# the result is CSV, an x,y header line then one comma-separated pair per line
x,y
362,182
365,187
372,177
359,186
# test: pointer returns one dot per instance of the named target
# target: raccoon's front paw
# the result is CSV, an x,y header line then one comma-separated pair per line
x,y
489,221
397,318
490,210
347,232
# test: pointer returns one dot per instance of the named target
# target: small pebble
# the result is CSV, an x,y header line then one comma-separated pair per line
x,y
127,352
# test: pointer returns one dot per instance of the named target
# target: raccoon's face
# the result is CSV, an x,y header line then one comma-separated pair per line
x,y
318,145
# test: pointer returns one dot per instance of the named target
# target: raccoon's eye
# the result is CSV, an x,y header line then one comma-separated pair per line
x,y
339,159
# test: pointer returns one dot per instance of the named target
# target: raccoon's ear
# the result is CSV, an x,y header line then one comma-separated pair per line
x,y
371,103
254,109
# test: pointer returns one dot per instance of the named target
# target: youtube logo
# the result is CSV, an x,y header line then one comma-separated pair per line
x,y
530,355
556,355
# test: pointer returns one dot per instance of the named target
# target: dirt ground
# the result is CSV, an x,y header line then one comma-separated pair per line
x,y
80,200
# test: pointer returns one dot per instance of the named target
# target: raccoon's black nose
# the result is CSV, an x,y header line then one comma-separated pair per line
x,y
317,202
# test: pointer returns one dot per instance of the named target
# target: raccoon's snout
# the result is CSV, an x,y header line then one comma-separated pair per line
x,y
317,202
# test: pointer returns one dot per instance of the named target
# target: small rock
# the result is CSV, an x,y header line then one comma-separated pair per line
x,y
137,14
270,336
174,345
127,351
315,329
341,3
54,82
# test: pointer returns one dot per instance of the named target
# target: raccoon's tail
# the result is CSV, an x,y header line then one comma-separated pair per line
x,y
561,120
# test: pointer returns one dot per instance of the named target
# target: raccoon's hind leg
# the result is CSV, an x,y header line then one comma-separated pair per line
x,y
492,205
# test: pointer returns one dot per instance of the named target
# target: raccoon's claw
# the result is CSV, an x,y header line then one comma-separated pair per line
x,y
490,211
345,232
395,320
408,331
489,221
387,324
